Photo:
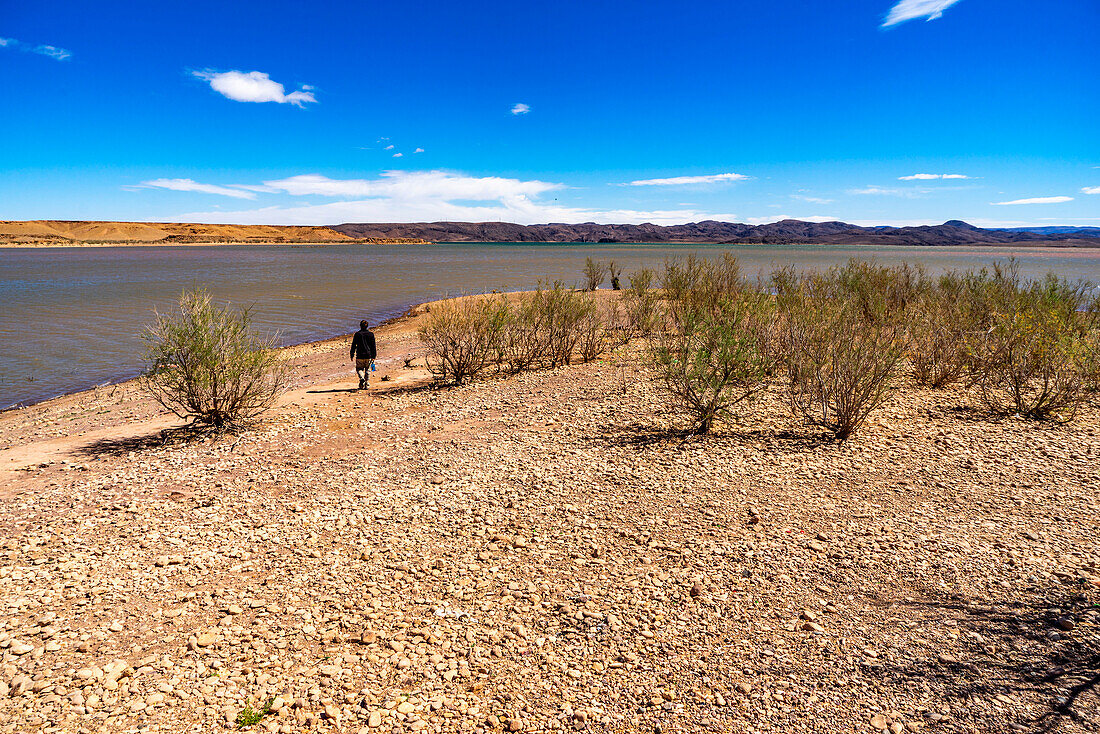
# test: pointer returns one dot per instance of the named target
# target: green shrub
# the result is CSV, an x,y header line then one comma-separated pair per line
x,y
1036,357
640,302
208,363
713,356
840,364
937,339
559,314
594,272
614,272
463,336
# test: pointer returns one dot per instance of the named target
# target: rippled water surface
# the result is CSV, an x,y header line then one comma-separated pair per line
x,y
71,318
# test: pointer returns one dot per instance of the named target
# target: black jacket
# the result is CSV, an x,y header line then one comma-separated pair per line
x,y
362,345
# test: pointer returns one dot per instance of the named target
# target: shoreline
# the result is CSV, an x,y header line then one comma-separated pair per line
x,y
286,348
1052,245
542,553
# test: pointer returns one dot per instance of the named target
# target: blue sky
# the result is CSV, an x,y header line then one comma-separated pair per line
x,y
320,113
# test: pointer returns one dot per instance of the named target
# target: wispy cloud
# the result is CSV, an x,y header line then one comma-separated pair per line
x,y
913,9
1091,190
1035,200
388,147
253,86
429,196
398,155
930,176
418,150
881,191
519,108
688,180
42,49
811,199
187,184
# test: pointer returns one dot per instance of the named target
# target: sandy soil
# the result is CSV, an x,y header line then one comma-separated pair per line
x,y
542,553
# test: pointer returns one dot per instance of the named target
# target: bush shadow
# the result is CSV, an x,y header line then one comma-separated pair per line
x,y
1026,653
160,439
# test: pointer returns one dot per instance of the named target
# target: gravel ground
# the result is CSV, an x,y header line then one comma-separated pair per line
x,y
542,553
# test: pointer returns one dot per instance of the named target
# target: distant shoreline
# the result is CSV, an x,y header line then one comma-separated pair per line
x,y
1081,244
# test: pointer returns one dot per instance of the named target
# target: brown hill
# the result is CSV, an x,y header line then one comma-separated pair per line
x,y
66,232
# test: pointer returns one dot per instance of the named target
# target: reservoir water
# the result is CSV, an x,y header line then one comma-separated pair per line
x,y
71,318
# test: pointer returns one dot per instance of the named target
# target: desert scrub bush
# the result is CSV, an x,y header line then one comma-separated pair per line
x,y
208,364
640,303
839,363
521,345
594,272
462,336
1036,357
559,315
937,337
714,356
593,327
613,272
879,292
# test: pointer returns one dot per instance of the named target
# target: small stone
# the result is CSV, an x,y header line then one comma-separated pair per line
x,y
375,719
744,688
878,721
20,648
896,728
947,658
234,609
205,639
1065,624
438,479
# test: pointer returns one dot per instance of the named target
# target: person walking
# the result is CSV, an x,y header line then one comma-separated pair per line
x,y
363,352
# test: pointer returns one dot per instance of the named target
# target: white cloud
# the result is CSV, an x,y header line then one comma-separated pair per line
x,y
418,150
187,184
388,147
911,9
880,191
1036,200
811,199
253,86
687,180
1091,190
429,196
54,52
520,108
398,155
930,176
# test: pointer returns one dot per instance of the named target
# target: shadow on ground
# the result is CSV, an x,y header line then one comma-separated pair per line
x,y
159,439
1040,652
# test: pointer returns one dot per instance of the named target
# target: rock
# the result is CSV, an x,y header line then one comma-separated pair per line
x,y
438,479
896,728
878,721
375,719
205,639
20,648
947,658
744,688
1066,624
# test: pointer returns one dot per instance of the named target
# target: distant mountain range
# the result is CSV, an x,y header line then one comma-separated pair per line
x,y
788,231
